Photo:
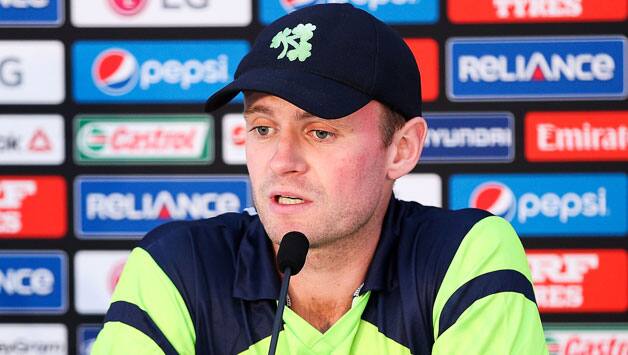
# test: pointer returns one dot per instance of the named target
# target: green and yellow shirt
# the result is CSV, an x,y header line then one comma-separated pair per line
x,y
440,282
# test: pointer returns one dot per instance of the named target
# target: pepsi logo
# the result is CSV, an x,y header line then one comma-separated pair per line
x,y
127,7
494,197
292,5
115,72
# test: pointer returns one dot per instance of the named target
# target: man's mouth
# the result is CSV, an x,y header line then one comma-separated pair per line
x,y
288,200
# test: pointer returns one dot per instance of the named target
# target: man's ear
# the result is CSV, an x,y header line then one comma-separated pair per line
x,y
405,149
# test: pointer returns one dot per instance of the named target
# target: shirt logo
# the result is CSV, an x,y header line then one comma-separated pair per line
x,y
288,37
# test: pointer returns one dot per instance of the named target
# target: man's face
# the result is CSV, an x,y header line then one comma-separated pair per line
x,y
325,178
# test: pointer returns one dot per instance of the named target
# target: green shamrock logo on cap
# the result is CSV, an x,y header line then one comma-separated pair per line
x,y
289,37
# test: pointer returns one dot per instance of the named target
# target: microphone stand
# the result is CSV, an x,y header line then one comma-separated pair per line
x,y
279,314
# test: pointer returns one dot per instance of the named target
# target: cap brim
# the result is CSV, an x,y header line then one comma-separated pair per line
x,y
312,93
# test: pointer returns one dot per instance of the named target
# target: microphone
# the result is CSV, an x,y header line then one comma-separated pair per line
x,y
290,258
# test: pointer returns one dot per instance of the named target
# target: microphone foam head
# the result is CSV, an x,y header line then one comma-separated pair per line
x,y
292,252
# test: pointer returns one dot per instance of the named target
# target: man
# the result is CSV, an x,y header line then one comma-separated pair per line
x,y
333,114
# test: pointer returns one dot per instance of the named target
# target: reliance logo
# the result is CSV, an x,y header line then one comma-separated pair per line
x,y
129,206
536,68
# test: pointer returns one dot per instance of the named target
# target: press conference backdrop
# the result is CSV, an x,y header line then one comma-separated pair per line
x,y
103,137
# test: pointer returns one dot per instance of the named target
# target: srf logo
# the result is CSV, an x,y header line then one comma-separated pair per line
x,y
494,197
115,72
32,207
127,7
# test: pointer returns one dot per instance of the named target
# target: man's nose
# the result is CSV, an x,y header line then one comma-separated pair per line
x,y
288,155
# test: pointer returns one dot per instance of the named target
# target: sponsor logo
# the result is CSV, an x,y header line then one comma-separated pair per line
x,y
32,339
571,339
33,282
86,336
153,71
233,138
25,203
517,11
422,188
129,206
31,72
580,280
536,68
31,12
548,204
127,7
494,197
390,11
96,275
31,139
143,139
115,72
161,13
469,137
576,136
425,51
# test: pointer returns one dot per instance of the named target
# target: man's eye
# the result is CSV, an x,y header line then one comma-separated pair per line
x,y
319,134
262,130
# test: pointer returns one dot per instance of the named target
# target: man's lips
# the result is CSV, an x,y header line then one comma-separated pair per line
x,y
287,198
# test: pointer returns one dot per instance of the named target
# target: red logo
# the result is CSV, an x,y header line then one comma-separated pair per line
x,y
580,280
425,52
127,7
576,136
517,11
238,135
39,142
32,207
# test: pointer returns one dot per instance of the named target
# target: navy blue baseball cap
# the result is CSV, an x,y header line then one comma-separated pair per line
x,y
329,60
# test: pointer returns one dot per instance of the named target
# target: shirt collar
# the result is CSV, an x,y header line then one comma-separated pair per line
x,y
257,278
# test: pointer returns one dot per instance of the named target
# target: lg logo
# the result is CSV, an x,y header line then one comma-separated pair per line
x,y
10,72
194,4
132,7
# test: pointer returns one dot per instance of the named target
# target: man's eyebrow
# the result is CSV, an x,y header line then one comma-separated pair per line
x,y
303,115
269,111
258,109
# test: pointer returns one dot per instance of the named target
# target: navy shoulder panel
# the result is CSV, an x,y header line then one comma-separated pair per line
x,y
428,238
200,258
